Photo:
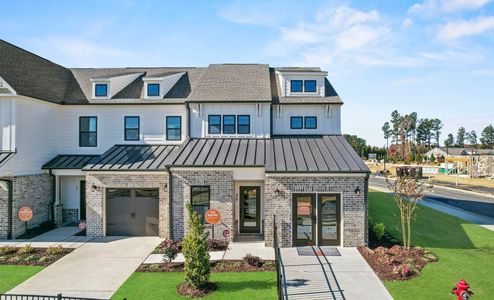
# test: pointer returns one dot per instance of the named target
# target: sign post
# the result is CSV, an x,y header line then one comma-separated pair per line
x,y
25,215
212,216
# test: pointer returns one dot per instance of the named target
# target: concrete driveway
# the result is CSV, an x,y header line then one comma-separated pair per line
x,y
95,270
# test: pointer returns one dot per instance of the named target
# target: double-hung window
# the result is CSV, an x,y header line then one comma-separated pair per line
x,y
173,128
296,122
310,122
88,136
214,124
229,124
131,125
199,199
243,124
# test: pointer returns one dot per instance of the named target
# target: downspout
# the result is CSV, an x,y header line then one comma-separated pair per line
x,y
170,202
188,120
54,197
10,207
366,197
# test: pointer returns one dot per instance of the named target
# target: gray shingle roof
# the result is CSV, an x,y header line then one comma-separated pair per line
x,y
323,154
233,82
69,161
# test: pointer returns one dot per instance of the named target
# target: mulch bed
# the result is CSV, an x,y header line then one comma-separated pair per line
x,y
37,257
213,245
190,292
395,263
216,266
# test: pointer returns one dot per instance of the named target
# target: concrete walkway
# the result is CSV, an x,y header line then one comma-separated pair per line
x,y
62,236
235,251
331,277
94,270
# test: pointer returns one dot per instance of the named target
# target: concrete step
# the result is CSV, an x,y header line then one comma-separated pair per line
x,y
248,238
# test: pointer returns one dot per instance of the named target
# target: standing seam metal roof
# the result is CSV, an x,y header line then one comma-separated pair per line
x,y
323,154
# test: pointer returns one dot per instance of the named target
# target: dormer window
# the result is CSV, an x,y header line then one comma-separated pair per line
x,y
310,86
101,90
303,86
296,86
153,89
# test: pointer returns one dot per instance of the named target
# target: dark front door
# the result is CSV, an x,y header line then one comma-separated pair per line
x,y
304,219
82,195
250,213
329,219
132,212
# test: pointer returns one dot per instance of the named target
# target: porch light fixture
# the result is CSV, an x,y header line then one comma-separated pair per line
x,y
357,191
94,187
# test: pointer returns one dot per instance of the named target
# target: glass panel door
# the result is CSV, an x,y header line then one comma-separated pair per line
x,y
304,219
249,209
329,220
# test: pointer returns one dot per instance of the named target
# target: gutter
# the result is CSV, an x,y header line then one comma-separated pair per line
x,y
170,202
10,207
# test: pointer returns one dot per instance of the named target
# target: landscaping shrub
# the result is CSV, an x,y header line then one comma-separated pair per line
x,y
378,230
217,245
170,250
195,249
26,249
7,250
253,260
55,250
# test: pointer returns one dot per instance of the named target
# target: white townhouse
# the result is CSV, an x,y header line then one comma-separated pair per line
x,y
126,148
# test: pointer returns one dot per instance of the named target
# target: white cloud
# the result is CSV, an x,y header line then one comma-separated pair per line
x,y
458,29
431,8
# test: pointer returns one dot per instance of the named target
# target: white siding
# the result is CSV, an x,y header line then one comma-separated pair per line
x,y
36,136
111,125
326,123
259,124
70,191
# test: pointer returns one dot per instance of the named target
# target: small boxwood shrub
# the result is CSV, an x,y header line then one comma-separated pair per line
x,y
253,260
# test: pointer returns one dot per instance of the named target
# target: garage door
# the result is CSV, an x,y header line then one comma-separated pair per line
x,y
132,212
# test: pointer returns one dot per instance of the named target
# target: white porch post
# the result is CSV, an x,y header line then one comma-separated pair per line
x,y
58,202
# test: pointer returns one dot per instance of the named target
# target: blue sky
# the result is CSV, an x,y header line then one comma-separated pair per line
x,y
435,57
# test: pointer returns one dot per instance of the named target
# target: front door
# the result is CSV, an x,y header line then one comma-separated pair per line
x,y
250,213
304,219
329,219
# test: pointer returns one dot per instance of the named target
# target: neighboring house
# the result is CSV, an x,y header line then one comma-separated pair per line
x,y
126,148
471,161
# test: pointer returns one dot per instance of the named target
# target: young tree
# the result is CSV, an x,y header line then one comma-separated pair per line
x,y
460,137
487,137
197,267
408,192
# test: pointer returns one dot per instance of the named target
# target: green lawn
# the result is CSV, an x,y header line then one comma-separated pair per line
x,y
465,250
231,285
11,276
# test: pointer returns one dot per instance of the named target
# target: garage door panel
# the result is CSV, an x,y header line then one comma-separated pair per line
x,y
132,212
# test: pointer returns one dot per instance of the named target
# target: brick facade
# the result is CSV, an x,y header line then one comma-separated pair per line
x,y
35,191
221,198
353,206
95,197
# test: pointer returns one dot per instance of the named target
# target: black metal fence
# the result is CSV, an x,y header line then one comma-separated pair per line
x,y
40,297
280,268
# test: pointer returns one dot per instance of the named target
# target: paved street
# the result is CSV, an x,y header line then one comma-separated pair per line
x,y
471,206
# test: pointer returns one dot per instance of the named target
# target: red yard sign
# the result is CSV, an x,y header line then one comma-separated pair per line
x,y
25,214
213,216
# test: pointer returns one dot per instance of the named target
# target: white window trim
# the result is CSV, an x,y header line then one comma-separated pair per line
x,y
108,88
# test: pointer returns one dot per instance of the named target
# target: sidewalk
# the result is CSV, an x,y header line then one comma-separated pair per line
x,y
62,236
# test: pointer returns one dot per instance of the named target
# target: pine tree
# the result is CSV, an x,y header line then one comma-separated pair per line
x,y
487,137
460,137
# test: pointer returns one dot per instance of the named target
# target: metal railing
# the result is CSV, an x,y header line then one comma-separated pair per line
x,y
280,268
40,297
